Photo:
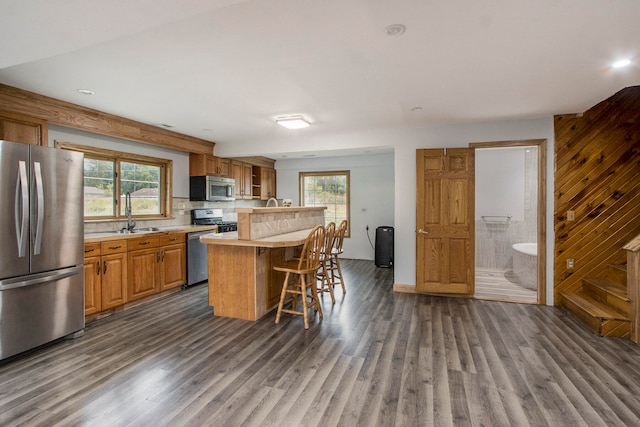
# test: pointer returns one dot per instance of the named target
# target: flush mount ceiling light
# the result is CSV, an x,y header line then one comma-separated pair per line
x,y
621,63
395,30
293,122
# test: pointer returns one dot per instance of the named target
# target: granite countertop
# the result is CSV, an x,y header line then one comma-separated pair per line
x,y
114,235
294,238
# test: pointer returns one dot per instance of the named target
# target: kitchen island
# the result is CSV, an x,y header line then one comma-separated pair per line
x,y
242,282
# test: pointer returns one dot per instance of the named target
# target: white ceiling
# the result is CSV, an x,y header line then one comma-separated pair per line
x,y
222,70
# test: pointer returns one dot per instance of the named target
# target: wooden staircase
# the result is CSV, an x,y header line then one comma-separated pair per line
x,y
602,303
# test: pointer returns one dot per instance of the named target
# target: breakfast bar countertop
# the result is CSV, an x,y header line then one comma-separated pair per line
x,y
294,238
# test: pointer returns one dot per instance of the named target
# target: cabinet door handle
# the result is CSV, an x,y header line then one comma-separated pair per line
x,y
98,267
86,251
104,271
115,247
158,256
423,232
144,243
162,256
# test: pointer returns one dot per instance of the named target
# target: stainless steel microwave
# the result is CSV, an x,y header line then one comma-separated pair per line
x,y
212,188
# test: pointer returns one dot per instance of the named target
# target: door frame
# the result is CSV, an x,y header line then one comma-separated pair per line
x,y
542,204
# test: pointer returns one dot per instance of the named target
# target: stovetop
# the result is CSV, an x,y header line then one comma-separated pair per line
x,y
212,217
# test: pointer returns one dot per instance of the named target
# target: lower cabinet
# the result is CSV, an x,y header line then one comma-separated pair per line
x,y
105,275
161,265
117,272
144,274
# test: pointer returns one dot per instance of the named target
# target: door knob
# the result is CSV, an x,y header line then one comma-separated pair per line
x,y
421,231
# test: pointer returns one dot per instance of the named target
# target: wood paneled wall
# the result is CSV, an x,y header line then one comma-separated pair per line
x,y
597,175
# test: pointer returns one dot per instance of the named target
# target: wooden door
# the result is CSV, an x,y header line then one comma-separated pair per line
x,y
247,180
173,262
444,221
92,270
144,273
114,280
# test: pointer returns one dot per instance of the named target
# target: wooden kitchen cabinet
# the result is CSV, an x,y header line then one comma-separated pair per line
x,y
243,174
92,286
105,278
119,271
206,164
25,129
173,261
161,264
114,280
143,278
264,183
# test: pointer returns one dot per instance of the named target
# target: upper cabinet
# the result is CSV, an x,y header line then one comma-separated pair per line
x,y
25,129
242,173
205,164
264,182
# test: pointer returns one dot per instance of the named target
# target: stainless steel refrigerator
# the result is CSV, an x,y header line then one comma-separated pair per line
x,y
41,252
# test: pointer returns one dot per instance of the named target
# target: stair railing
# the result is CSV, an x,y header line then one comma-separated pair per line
x,y
633,285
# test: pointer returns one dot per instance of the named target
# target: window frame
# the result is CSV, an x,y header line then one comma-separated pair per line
x,y
166,173
346,173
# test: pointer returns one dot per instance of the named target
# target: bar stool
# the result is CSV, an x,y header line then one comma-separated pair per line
x,y
333,267
325,262
306,265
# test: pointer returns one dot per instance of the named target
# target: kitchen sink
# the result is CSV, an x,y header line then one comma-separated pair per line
x,y
137,230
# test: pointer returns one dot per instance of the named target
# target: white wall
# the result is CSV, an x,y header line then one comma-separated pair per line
x,y
405,142
372,193
500,183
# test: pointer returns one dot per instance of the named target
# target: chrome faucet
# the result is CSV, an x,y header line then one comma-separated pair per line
x,y
274,201
131,223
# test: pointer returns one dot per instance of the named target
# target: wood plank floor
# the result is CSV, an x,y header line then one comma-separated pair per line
x,y
377,358
494,284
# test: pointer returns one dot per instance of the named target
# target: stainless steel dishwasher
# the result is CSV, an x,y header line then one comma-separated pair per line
x,y
197,269
196,258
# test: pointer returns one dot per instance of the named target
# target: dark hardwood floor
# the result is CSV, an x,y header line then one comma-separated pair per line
x,y
377,358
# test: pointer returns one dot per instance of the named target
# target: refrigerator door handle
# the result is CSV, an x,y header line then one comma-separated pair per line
x,y
37,241
22,209
20,282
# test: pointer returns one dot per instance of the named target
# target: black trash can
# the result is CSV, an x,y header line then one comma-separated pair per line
x,y
384,246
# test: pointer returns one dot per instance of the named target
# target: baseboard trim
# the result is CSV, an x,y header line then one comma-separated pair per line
x,y
406,289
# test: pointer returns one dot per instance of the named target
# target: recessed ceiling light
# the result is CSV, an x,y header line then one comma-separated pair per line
x,y
86,91
395,30
621,63
293,122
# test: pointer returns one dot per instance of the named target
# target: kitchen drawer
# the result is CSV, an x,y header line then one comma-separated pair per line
x,y
113,247
144,242
91,249
172,239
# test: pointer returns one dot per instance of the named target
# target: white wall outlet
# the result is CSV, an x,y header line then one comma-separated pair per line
x,y
571,215
570,264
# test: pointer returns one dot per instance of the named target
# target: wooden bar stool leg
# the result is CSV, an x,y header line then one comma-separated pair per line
x,y
305,311
344,290
283,295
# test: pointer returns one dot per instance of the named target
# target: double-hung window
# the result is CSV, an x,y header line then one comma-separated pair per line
x,y
109,176
330,189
